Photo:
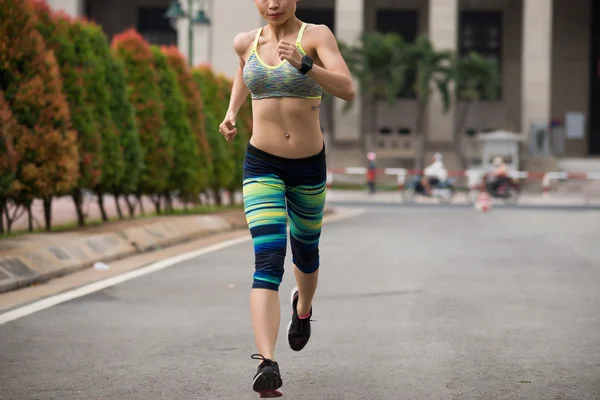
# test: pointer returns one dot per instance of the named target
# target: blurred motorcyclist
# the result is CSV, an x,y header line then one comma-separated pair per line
x,y
499,174
434,173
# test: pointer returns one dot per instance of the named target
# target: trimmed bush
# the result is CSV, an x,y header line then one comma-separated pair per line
x,y
222,151
184,174
194,111
144,95
113,167
32,86
55,28
123,115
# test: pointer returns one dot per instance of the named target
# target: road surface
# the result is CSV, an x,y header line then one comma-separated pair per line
x,y
414,303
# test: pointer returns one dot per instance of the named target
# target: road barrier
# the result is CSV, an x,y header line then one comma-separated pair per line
x,y
474,177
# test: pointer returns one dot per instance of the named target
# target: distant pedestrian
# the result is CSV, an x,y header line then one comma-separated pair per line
x,y
371,171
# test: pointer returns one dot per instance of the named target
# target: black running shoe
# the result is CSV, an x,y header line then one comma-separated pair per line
x,y
298,329
267,379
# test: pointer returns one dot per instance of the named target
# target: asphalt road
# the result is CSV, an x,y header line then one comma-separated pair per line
x,y
414,303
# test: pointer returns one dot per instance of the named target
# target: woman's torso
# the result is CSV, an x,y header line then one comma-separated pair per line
x,y
286,104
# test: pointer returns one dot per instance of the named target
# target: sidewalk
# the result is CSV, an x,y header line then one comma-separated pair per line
x,y
34,258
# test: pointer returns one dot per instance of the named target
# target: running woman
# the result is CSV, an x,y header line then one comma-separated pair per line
x,y
285,66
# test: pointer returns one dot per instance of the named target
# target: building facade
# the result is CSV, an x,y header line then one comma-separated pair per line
x,y
548,53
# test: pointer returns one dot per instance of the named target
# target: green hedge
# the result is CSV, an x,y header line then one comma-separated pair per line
x,y
221,150
80,115
194,112
184,174
113,165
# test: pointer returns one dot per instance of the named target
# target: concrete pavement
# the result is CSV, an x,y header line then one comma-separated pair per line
x,y
413,303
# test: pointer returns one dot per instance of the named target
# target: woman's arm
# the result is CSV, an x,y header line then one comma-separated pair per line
x,y
335,78
239,91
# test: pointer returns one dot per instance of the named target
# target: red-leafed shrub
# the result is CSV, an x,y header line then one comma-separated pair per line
x,y
55,27
144,94
9,130
32,86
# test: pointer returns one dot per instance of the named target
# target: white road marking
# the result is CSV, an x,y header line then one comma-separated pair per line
x,y
154,267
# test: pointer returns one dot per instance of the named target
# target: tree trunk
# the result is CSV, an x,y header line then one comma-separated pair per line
x,y
78,200
118,206
156,201
218,197
48,212
141,203
168,202
130,205
102,208
458,136
2,207
8,220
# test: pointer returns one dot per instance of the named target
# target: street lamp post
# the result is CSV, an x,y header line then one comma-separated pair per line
x,y
176,12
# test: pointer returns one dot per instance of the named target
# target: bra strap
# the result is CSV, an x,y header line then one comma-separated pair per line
x,y
299,39
256,39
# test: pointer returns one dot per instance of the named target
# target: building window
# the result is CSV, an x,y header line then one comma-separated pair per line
x,y
403,22
481,32
318,16
154,27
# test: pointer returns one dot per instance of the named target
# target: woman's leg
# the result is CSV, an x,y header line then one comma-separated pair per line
x,y
306,204
264,205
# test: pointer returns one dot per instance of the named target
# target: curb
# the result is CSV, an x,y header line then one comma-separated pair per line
x,y
29,266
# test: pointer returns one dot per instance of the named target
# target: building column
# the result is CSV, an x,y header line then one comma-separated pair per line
x,y
349,26
443,33
228,19
536,63
72,7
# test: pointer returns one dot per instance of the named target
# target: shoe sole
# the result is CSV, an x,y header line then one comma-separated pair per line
x,y
267,394
267,384
294,291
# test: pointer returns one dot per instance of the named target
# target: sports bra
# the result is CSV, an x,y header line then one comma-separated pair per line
x,y
266,81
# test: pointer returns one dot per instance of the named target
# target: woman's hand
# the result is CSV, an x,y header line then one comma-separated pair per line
x,y
227,127
288,51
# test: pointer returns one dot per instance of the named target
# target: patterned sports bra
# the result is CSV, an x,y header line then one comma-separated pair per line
x,y
266,81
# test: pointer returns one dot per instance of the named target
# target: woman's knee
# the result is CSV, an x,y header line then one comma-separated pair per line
x,y
269,269
305,256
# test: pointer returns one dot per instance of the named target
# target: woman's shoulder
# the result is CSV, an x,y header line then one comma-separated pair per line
x,y
315,33
243,41
317,30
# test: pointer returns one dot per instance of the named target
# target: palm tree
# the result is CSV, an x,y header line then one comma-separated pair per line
x,y
477,78
378,64
433,70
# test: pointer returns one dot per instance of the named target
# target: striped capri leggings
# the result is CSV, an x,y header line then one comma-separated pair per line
x,y
277,190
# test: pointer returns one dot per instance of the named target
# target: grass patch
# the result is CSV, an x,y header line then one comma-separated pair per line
x,y
91,223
